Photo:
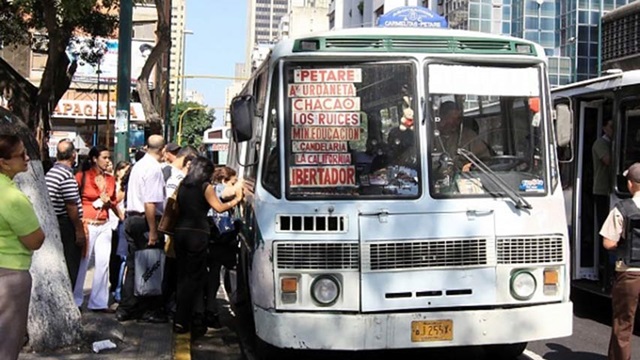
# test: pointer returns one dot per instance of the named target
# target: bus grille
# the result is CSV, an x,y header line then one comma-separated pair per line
x,y
484,45
317,256
312,223
436,44
427,254
535,250
346,43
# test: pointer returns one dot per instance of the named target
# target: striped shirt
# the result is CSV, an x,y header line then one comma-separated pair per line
x,y
62,188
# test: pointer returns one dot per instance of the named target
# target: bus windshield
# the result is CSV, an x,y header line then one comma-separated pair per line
x,y
350,129
486,134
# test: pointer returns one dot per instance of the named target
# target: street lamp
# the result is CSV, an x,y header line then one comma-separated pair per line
x,y
182,116
184,56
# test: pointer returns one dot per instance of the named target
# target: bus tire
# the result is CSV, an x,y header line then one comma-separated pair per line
x,y
504,351
265,351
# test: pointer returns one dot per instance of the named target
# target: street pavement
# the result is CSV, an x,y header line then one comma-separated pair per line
x,y
235,340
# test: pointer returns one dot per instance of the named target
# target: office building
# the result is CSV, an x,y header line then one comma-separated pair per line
x,y
177,53
263,22
620,38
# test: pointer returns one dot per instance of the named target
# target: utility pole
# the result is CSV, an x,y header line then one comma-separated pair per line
x,y
123,100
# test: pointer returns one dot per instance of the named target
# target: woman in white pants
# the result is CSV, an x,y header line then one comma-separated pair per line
x,y
98,193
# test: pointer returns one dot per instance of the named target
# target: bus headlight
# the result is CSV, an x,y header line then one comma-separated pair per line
x,y
325,290
523,285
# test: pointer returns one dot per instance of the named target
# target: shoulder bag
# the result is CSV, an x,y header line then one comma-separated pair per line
x,y
170,215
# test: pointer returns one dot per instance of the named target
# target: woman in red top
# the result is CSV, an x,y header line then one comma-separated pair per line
x,y
98,194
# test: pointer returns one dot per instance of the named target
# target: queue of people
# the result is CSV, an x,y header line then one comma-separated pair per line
x,y
109,213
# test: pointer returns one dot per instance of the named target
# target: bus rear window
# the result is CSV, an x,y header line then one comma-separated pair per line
x,y
350,130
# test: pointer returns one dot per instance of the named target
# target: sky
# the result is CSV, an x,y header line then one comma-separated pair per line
x,y
216,45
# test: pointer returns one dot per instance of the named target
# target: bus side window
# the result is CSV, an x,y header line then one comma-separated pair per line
x,y
271,161
260,94
630,116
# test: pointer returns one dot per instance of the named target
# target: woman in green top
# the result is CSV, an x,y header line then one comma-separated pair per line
x,y
20,235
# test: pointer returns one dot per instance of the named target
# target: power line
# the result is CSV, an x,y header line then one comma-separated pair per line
x,y
218,77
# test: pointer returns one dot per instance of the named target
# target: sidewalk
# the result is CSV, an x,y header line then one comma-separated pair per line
x,y
134,340
139,340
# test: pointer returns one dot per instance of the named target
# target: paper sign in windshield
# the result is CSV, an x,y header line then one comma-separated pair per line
x,y
327,75
322,159
326,104
323,146
326,118
325,133
327,176
314,90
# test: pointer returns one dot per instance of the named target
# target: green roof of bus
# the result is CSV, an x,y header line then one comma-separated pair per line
x,y
403,40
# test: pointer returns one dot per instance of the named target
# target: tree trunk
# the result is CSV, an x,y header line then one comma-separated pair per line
x,y
54,319
163,32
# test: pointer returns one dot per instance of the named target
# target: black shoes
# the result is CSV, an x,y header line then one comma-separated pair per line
x,y
212,320
154,317
122,315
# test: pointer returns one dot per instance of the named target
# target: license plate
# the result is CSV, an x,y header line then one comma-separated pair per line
x,y
436,330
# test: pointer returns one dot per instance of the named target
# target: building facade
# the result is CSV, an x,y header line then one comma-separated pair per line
x,y
86,112
621,38
176,54
263,24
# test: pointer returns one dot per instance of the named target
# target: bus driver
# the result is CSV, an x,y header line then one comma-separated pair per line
x,y
453,135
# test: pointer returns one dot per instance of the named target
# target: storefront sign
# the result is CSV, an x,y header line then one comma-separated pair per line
x,y
86,109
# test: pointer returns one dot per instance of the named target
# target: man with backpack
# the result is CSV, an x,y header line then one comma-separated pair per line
x,y
621,232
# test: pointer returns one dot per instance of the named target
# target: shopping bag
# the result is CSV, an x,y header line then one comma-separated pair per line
x,y
170,215
149,265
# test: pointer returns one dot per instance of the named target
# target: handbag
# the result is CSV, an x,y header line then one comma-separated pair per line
x,y
149,268
224,223
170,215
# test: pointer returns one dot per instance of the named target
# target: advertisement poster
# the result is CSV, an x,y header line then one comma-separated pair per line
x,y
87,73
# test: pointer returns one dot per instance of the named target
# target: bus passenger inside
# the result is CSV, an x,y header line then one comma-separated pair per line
x,y
453,135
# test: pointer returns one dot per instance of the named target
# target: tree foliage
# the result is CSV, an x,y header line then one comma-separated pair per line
x,y
194,122
52,24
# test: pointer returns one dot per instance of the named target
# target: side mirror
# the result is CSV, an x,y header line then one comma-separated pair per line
x,y
564,125
242,111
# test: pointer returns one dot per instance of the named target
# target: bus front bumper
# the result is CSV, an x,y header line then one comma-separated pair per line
x,y
336,331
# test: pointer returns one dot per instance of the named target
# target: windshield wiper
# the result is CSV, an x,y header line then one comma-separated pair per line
x,y
519,201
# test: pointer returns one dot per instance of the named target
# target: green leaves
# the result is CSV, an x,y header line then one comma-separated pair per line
x,y
196,118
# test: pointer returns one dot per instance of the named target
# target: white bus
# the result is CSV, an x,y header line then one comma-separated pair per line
x,y
364,231
614,96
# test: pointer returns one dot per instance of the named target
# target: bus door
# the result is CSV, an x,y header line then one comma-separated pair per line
x,y
586,241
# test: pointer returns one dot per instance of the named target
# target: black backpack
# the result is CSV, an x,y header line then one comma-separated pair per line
x,y
629,246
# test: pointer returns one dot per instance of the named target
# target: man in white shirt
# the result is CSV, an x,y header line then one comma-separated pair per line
x,y
145,204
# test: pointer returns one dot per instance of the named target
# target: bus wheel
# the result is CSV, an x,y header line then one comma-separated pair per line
x,y
505,351
265,351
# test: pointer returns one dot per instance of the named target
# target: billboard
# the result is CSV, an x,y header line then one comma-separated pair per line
x,y
87,73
